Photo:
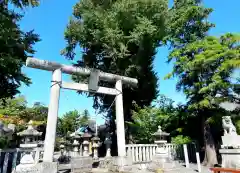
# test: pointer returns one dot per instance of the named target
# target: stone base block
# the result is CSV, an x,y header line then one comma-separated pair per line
x,y
121,164
44,167
105,162
230,158
161,162
231,140
81,164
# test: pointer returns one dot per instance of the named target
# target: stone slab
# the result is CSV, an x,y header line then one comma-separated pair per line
x,y
230,158
121,164
44,167
81,164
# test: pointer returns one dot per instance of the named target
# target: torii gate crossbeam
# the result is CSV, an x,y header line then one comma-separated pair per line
x,y
57,84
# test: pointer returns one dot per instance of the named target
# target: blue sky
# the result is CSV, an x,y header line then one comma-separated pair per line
x,y
50,20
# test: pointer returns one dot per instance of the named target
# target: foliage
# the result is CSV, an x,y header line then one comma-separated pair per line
x,y
4,142
16,111
16,46
203,66
146,120
71,121
180,139
12,120
119,37
13,107
22,3
187,22
144,124
204,69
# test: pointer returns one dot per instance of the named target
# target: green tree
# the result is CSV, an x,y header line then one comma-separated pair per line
x,y
204,69
119,37
38,112
146,120
17,107
188,22
13,107
71,121
16,46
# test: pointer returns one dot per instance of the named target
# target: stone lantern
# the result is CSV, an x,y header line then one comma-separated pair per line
x,y
29,136
76,138
95,146
86,137
63,159
30,141
160,140
62,143
161,160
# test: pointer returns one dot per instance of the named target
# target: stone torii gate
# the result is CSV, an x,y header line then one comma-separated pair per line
x,y
57,83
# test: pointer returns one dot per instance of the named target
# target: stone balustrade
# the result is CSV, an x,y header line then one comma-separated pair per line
x,y
145,152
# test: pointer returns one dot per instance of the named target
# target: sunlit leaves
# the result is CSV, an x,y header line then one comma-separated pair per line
x,y
205,68
16,46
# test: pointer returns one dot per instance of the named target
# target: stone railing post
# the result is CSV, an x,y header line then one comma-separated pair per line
x,y
81,149
62,148
37,156
186,155
108,143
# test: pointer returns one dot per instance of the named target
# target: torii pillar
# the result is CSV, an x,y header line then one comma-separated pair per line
x,y
57,84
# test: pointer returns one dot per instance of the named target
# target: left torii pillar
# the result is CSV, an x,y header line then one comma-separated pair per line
x,y
49,142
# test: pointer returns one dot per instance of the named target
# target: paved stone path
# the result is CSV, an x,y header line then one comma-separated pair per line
x,y
180,168
191,169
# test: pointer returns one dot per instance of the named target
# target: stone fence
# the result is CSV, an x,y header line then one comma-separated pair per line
x,y
138,153
144,152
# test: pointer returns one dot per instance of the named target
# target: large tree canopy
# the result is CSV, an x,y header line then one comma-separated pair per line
x,y
16,45
119,37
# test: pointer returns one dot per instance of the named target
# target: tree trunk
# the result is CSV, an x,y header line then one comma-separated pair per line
x,y
210,158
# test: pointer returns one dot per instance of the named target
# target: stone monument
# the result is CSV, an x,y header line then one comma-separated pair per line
x,y
230,148
161,160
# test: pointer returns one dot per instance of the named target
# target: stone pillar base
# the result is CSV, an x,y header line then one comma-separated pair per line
x,y
105,162
121,164
230,158
161,161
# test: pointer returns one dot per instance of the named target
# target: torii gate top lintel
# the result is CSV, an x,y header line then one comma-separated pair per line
x,y
51,66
